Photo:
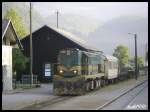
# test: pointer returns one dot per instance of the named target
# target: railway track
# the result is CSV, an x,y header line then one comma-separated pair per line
x,y
58,99
107,104
47,103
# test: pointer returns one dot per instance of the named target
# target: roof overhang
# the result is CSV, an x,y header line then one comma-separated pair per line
x,y
8,31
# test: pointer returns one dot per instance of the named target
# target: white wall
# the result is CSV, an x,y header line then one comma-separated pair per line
x,y
7,67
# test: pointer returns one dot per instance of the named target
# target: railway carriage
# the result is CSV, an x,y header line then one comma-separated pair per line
x,y
111,68
80,71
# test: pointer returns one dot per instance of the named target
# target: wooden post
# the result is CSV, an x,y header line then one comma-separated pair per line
x,y
31,55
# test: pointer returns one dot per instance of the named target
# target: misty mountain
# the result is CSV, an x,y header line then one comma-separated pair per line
x,y
103,36
76,24
115,32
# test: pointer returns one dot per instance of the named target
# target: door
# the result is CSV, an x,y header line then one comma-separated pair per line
x,y
47,70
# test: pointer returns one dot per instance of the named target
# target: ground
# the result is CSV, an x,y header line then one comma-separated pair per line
x,y
141,99
27,97
90,101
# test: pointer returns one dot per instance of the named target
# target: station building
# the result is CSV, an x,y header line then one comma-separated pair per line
x,y
46,42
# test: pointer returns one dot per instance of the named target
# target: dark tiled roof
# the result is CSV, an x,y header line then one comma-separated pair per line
x,y
78,40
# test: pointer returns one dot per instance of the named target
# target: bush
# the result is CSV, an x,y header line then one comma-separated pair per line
x,y
19,62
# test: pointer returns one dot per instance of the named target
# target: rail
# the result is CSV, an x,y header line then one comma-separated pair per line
x,y
46,103
113,100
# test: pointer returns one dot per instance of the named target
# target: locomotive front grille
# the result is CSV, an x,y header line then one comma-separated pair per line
x,y
69,74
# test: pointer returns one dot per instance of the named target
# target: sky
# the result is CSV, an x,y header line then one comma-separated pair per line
x,y
103,11
100,11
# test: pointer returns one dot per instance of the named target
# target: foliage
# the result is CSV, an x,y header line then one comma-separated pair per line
x,y
140,61
146,56
16,21
19,60
121,52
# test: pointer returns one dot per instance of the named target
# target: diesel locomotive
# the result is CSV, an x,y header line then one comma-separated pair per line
x,y
80,71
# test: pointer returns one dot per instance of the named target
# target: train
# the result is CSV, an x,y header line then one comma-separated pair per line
x,y
79,72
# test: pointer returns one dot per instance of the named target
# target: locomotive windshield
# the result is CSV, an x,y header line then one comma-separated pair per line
x,y
68,58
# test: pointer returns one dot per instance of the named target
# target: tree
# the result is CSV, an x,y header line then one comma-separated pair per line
x,y
146,58
140,61
19,61
17,22
121,52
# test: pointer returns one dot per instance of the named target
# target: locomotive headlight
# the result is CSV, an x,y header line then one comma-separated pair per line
x,y
74,71
61,71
